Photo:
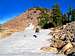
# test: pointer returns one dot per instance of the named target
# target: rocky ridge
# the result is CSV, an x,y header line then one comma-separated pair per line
x,y
24,20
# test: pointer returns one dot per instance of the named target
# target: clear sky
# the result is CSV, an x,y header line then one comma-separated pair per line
x,y
12,8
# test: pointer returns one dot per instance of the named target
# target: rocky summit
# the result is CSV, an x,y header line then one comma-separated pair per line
x,y
19,23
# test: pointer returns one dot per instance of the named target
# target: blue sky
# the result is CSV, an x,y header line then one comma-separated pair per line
x,y
11,8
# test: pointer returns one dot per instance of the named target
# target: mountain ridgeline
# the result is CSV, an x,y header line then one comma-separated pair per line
x,y
43,17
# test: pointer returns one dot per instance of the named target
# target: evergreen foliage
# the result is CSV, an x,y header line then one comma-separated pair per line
x,y
55,18
43,20
56,15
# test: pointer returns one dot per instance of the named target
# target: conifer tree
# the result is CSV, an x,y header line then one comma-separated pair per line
x,y
56,15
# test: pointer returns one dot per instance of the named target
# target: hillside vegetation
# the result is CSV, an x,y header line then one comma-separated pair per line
x,y
54,17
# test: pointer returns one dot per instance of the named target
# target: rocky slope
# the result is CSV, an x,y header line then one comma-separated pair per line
x,y
63,39
24,20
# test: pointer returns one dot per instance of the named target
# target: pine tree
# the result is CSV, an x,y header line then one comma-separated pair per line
x,y
69,14
64,19
56,15
73,15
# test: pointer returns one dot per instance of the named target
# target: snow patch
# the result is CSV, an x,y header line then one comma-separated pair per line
x,y
25,42
31,26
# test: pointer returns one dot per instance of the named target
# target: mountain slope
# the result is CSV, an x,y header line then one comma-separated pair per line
x,y
24,20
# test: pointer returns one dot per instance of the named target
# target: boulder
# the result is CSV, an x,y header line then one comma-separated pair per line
x,y
67,48
49,49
